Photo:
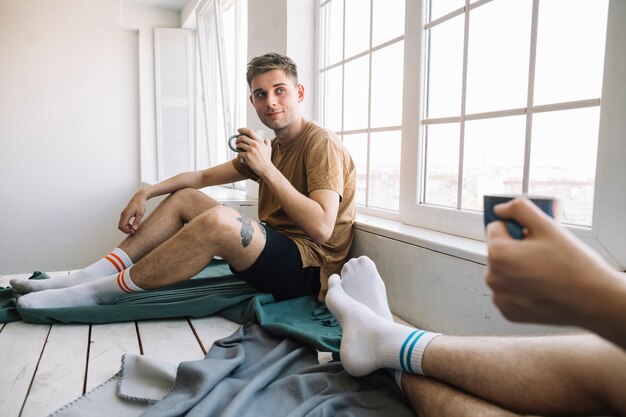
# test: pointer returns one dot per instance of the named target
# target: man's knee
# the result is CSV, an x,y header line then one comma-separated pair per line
x,y
217,220
186,195
189,203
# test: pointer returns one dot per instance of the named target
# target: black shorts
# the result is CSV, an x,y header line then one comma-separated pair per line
x,y
279,271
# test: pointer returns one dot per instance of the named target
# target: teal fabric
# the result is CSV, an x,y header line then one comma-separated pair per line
x,y
212,291
8,311
297,318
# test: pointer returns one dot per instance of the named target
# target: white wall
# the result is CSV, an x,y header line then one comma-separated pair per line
x,y
286,27
437,291
77,95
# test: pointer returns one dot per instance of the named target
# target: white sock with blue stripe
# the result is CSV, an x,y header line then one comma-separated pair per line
x,y
371,342
412,350
361,281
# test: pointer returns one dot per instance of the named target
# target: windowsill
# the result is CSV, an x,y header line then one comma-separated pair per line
x,y
227,195
224,195
459,247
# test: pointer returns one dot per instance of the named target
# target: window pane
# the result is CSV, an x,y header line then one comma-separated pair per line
x,y
357,146
563,160
570,50
384,175
387,70
357,26
356,94
440,8
442,164
332,32
388,21
445,68
493,159
499,48
331,86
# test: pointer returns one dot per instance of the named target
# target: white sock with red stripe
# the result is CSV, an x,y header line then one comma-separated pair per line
x,y
116,261
100,291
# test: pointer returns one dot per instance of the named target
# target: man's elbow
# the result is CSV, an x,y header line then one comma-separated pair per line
x,y
321,234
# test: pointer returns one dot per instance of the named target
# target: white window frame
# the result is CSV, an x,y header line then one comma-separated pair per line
x,y
607,234
365,209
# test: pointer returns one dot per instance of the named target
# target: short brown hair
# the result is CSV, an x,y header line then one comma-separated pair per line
x,y
269,62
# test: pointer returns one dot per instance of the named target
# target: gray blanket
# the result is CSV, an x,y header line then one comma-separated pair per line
x,y
254,373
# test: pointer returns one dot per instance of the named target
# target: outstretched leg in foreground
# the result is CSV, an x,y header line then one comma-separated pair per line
x,y
581,374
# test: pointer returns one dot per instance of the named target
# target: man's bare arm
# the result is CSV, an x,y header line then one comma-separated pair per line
x,y
136,207
315,214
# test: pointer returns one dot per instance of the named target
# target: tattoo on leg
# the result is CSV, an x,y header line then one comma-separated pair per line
x,y
246,230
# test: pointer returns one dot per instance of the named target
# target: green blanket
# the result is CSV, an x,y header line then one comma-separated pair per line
x,y
214,290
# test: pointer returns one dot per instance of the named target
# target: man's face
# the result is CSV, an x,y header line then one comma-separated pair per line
x,y
276,99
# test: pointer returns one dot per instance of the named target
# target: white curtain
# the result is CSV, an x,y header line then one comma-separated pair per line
x,y
221,41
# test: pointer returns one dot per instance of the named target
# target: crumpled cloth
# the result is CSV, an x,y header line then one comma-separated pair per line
x,y
250,373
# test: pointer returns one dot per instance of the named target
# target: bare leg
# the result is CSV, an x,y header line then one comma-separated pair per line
x,y
561,374
430,397
219,230
166,220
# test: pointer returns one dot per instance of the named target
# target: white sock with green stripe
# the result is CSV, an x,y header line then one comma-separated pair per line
x,y
371,342
100,291
116,261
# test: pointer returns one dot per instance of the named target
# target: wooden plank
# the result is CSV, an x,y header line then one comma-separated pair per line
x,y
60,376
4,280
108,343
209,329
21,345
170,340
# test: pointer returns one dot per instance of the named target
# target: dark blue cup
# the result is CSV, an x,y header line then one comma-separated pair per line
x,y
546,204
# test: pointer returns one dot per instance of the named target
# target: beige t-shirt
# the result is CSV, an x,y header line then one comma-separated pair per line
x,y
313,161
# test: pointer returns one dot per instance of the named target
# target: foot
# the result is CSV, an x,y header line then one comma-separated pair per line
x,y
114,262
25,285
76,296
361,281
369,341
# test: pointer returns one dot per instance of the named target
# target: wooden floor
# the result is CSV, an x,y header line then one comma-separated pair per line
x,y
43,367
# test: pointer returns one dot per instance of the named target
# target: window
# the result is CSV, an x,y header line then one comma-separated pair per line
x,y
477,97
361,56
222,92
512,102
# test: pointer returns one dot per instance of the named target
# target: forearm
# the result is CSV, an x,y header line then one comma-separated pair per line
x,y
184,180
221,174
608,305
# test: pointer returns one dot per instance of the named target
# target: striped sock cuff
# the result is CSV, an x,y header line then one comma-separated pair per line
x,y
412,351
126,284
119,259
